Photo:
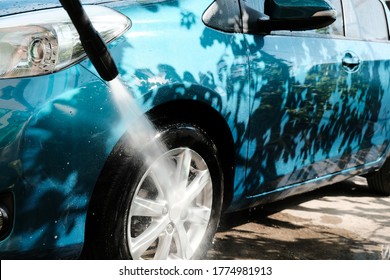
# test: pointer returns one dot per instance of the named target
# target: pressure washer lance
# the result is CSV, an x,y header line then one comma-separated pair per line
x,y
93,44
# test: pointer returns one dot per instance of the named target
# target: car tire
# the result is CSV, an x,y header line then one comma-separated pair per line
x,y
379,181
144,216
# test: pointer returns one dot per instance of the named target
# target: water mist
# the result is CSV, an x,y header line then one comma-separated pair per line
x,y
143,130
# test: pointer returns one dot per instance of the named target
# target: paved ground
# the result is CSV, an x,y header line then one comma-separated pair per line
x,y
343,221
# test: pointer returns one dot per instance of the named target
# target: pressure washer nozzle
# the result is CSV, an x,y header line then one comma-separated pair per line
x,y
93,44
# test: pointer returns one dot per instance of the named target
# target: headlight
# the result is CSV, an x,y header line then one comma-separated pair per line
x,y
43,42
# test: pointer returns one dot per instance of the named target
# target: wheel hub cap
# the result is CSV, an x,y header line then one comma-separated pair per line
x,y
168,217
175,213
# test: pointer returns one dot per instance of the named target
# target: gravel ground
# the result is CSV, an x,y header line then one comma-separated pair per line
x,y
341,222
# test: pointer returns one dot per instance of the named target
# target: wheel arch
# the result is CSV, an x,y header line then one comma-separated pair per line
x,y
213,123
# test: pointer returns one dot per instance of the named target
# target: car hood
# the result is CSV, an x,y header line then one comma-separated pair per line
x,y
9,7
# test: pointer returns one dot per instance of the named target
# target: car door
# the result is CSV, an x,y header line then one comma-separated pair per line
x,y
320,99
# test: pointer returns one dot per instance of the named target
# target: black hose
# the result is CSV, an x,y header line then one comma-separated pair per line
x,y
93,44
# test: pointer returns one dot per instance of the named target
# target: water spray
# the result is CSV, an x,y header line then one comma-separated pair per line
x,y
93,44
96,49
101,58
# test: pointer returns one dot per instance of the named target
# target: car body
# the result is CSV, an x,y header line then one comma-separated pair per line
x,y
281,113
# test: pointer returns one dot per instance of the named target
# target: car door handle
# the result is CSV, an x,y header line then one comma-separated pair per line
x,y
350,62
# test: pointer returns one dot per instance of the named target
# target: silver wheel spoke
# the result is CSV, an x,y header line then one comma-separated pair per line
x,y
182,242
161,184
197,185
164,247
199,215
183,168
142,242
147,208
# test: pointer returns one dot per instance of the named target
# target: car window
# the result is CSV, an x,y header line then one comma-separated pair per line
x,y
336,28
365,20
257,5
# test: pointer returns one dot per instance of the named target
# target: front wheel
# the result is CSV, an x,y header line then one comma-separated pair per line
x,y
169,208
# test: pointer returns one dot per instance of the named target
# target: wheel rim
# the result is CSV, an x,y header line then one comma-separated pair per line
x,y
171,207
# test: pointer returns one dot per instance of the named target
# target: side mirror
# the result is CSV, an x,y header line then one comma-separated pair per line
x,y
293,15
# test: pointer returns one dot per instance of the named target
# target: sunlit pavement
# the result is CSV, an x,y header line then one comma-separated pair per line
x,y
343,221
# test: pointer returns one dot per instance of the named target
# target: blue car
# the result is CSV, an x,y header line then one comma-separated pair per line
x,y
218,106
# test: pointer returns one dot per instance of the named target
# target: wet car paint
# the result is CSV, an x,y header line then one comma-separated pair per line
x,y
320,119
58,130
